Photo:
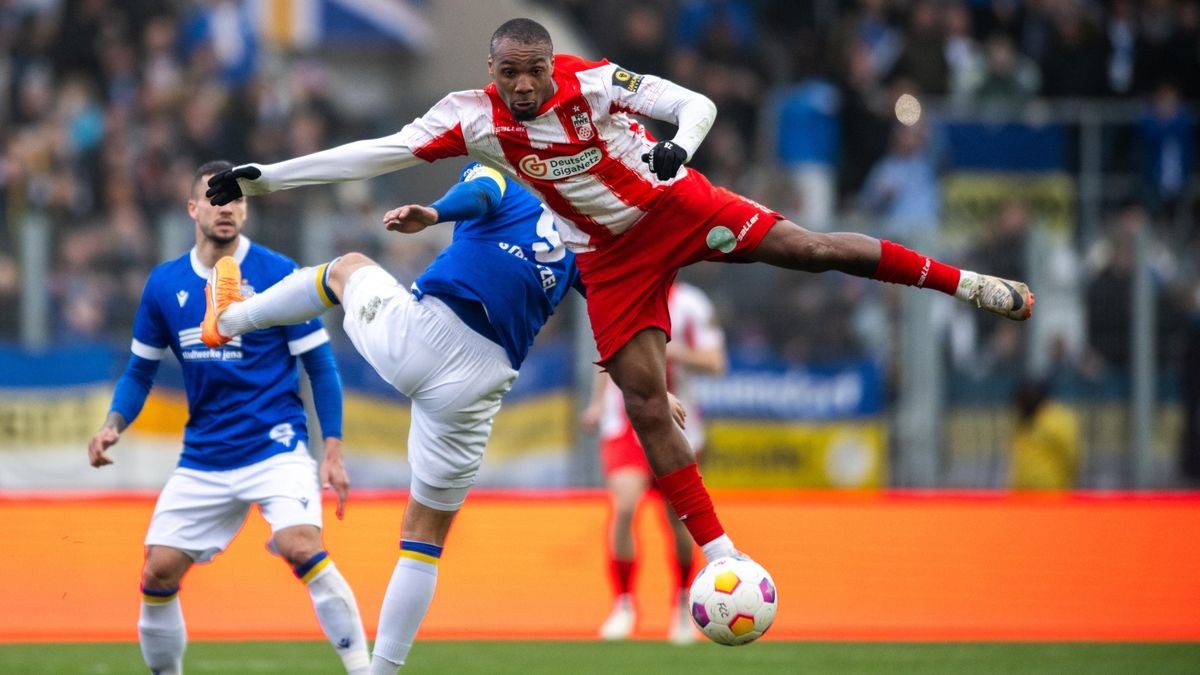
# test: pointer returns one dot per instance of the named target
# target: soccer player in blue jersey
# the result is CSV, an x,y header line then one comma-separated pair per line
x,y
245,441
452,343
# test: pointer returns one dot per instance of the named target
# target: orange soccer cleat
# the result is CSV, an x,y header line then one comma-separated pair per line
x,y
224,288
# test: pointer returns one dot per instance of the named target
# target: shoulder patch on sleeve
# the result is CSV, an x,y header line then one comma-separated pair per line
x,y
623,79
481,171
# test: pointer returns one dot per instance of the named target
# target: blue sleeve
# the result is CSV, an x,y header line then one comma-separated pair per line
x,y
133,387
326,388
577,284
471,198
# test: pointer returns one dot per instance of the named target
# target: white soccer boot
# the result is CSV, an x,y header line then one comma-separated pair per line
x,y
1010,299
682,631
619,624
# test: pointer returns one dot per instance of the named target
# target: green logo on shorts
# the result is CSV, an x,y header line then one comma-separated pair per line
x,y
721,238
367,314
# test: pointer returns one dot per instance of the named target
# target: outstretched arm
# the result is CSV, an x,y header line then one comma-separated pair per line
x,y
479,192
435,135
352,161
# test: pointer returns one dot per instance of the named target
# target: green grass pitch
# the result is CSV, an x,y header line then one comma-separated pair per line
x,y
586,658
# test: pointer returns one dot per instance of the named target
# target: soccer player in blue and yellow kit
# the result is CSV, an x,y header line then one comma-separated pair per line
x,y
452,343
245,441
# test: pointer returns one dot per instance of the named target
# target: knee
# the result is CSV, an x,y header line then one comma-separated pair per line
x,y
298,548
623,510
157,577
646,409
347,265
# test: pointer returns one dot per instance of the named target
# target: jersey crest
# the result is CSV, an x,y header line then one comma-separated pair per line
x,y
583,126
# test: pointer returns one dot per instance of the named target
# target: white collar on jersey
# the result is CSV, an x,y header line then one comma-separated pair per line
x,y
239,255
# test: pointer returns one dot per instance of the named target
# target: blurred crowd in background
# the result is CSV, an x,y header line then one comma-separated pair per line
x,y
108,105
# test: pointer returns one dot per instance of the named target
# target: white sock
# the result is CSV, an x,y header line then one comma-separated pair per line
x,y
720,547
162,634
338,615
966,283
296,298
405,603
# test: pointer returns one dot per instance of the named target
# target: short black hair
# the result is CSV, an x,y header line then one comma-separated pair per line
x,y
522,31
212,168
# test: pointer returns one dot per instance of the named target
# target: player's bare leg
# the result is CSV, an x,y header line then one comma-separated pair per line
x,y
639,370
161,631
333,601
789,245
625,489
413,581
681,630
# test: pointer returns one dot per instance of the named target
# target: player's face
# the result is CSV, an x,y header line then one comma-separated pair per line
x,y
523,74
219,224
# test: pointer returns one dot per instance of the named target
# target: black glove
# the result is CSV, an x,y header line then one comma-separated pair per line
x,y
223,187
664,159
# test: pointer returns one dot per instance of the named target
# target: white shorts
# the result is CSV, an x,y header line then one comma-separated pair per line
x,y
454,376
199,512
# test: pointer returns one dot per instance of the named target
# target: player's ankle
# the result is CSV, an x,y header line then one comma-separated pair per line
x,y
720,547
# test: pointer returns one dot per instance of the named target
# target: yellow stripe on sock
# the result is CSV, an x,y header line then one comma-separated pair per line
x,y
158,599
308,576
320,279
417,555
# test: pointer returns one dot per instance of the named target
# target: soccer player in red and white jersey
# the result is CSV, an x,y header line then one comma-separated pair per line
x,y
698,348
566,128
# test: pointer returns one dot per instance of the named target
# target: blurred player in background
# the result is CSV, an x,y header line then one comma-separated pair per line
x,y
452,343
633,213
698,348
245,441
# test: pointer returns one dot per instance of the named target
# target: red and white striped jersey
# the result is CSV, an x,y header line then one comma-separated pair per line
x,y
582,154
693,321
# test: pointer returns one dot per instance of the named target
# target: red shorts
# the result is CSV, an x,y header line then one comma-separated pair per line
x,y
628,278
623,451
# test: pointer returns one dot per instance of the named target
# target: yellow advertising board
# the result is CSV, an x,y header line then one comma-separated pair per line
x,y
752,454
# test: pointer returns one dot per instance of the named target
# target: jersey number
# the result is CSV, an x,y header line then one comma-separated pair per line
x,y
550,250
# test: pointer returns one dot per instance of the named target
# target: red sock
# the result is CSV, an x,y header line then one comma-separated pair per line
x,y
622,575
901,265
685,491
684,571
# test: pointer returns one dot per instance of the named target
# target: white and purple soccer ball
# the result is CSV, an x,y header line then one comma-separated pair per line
x,y
733,600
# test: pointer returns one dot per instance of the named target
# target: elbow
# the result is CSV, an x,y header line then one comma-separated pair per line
x,y
710,108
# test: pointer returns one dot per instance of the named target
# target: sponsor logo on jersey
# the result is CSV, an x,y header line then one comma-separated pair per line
x,y
721,238
556,168
583,126
513,249
626,80
549,280
746,227
182,297
191,348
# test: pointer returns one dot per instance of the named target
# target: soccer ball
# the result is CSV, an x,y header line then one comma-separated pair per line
x,y
733,600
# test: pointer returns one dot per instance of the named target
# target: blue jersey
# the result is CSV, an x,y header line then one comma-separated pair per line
x,y
510,260
244,398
